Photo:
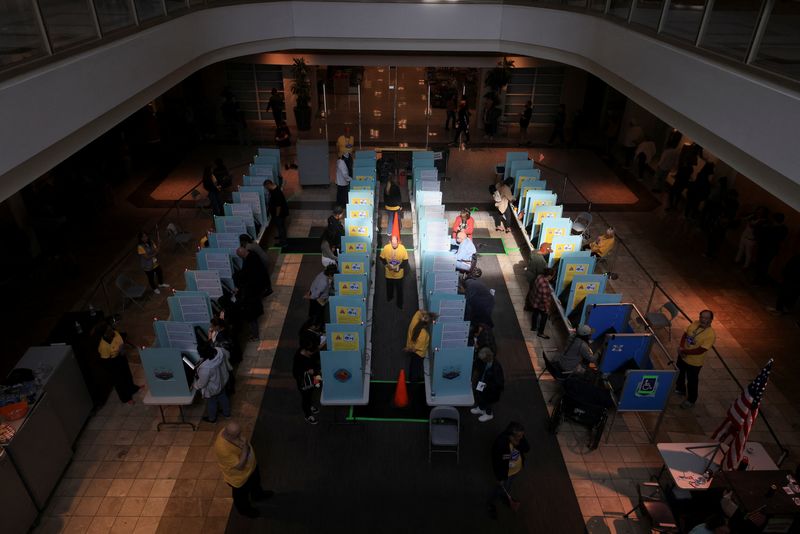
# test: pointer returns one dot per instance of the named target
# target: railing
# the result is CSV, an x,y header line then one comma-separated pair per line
x,y
763,35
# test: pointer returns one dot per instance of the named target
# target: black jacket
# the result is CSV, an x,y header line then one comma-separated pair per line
x,y
500,455
301,364
278,200
393,197
493,378
251,282
337,229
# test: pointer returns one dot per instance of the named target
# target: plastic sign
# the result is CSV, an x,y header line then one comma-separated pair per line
x,y
348,314
356,247
350,289
359,231
353,267
345,341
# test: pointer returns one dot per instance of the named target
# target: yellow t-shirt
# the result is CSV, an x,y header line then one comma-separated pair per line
x,y
697,336
394,257
604,246
514,461
420,346
228,458
110,350
342,145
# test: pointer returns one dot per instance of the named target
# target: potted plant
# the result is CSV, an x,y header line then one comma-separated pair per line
x,y
301,89
498,77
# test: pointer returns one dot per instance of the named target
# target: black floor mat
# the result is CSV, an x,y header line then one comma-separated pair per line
x,y
489,245
301,245
381,407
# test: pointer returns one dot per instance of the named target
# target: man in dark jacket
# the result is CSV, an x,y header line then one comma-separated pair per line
x,y
250,285
278,211
489,384
336,225
508,458
479,303
306,372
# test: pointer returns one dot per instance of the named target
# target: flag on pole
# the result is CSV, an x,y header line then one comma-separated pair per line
x,y
742,414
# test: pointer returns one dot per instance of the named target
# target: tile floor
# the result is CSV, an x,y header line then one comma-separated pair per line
x,y
127,477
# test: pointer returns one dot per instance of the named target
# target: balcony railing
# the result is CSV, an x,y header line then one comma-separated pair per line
x,y
755,34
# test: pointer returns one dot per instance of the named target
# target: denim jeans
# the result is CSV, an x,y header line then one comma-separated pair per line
x,y
497,491
220,400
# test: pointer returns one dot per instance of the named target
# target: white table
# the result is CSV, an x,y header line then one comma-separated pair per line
x,y
686,462
180,401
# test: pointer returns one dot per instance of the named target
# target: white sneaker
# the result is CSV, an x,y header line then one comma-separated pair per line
x,y
163,285
156,291
476,411
485,417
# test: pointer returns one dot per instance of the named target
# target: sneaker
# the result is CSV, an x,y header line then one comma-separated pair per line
x,y
311,420
680,392
476,411
686,404
156,291
163,285
314,410
543,336
485,417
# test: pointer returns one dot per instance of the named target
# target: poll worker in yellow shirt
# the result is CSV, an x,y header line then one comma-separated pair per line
x,y
696,341
112,354
603,244
394,257
237,461
418,341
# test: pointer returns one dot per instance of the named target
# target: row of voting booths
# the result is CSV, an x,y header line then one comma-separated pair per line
x,y
347,363
448,366
169,364
582,297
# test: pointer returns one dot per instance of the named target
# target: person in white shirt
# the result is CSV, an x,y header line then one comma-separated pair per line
x,y
342,180
667,162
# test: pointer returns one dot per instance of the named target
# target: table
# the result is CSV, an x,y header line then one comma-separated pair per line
x,y
751,490
687,462
180,401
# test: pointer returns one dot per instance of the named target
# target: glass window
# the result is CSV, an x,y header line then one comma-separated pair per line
x,y
647,13
113,14
620,8
20,38
780,46
683,19
149,9
730,27
68,22
597,5
175,5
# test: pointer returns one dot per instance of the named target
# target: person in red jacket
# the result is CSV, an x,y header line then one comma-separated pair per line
x,y
464,222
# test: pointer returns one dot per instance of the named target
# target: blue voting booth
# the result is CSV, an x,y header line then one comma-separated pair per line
x,y
592,302
350,285
448,306
449,335
208,281
190,307
646,390
351,263
224,240
626,349
164,372
361,197
350,310
356,245
572,264
219,260
347,337
528,178
450,373
343,377
359,227
583,285
534,198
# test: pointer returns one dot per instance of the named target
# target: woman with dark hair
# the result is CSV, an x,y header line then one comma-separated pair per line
x,y
306,372
113,357
503,197
508,458
328,247
464,222
392,202
336,225
418,340
148,251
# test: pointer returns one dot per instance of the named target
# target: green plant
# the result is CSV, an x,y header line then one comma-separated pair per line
x,y
498,77
301,87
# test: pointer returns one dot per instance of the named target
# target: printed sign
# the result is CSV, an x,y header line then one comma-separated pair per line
x,y
351,289
345,341
361,200
359,213
358,246
348,314
359,231
353,267
575,269
561,248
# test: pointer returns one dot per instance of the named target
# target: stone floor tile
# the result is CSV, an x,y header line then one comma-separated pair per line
x,y
147,525
88,505
162,488
124,525
154,507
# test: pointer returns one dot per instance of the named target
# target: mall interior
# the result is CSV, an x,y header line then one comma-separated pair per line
x,y
114,114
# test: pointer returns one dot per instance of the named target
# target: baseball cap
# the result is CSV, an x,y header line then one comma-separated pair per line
x,y
585,330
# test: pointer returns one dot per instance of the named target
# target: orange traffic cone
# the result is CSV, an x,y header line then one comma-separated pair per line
x,y
396,227
400,392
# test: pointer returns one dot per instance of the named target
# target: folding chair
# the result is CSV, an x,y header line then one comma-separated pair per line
x,y
443,429
654,506
130,290
658,319
178,236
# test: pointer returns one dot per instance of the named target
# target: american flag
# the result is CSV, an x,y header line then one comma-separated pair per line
x,y
740,419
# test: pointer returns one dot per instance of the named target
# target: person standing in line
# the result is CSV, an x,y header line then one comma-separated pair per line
x,y
645,153
283,140
336,226
524,122
542,302
319,293
276,105
327,247
342,180
558,126
246,241
394,257
237,461
667,162
210,378
479,303
508,458
630,141
345,145
306,372
503,197
696,341
418,341
462,122
116,364
278,211
148,259
392,201
452,105
212,188
489,384
687,159
537,263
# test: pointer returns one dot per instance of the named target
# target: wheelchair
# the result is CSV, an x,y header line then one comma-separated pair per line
x,y
585,404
